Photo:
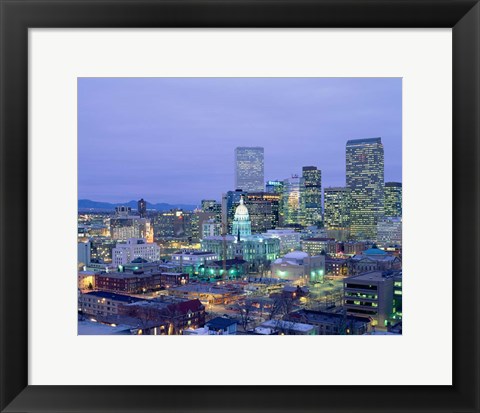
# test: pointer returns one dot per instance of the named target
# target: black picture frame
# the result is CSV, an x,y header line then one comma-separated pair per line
x,y
17,16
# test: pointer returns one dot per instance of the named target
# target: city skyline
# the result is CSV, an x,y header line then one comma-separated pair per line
x,y
124,160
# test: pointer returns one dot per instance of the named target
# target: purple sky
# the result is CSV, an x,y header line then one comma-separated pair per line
x,y
173,139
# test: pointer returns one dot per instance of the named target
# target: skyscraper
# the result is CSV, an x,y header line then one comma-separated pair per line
x,y
393,199
336,212
365,180
336,204
292,201
142,208
312,195
249,173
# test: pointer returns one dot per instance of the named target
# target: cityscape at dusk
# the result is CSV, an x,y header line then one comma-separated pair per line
x,y
239,206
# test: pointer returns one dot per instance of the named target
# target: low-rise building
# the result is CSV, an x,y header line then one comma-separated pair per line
x,y
86,280
374,259
190,260
315,246
102,303
299,265
139,281
331,323
222,326
177,315
126,252
234,268
285,327
289,239
337,267
371,295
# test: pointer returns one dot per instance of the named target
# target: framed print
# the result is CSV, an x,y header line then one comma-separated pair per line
x,y
262,171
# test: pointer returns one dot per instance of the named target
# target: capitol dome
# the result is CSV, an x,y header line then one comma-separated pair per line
x,y
241,222
241,213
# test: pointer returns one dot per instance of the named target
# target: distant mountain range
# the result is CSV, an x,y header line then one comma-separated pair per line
x,y
87,204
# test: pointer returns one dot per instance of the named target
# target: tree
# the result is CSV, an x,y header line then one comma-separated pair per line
x,y
245,311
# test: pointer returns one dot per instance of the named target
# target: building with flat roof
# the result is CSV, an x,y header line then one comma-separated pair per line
x,y
249,168
103,303
393,199
371,295
331,323
289,239
299,266
190,261
286,327
126,252
365,182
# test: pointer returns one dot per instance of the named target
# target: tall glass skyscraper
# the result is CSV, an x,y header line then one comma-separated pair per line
x,y
393,199
292,201
249,170
312,196
365,180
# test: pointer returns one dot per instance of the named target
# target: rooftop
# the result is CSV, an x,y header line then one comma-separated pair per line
x,y
114,296
375,276
220,323
288,325
352,142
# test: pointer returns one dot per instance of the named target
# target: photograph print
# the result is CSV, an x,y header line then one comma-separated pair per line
x,y
239,206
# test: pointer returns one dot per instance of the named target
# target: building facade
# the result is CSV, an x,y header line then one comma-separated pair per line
x,y
126,252
393,199
249,169
312,194
241,227
365,181
337,212
292,201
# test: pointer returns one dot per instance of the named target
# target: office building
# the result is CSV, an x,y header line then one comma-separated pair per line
x,y
249,169
264,210
142,208
389,231
274,187
292,201
371,295
393,199
124,225
312,194
336,212
126,252
289,239
365,181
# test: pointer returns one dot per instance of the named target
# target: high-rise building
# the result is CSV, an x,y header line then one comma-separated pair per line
x,y
393,199
336,204
312,196
264,210
274,187
292,201
249,172
365,180
142,208
124,226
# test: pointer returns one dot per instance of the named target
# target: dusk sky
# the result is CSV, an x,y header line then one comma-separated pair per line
x,y
172,139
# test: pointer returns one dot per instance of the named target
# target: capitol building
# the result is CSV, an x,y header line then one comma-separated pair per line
x,y
258,250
